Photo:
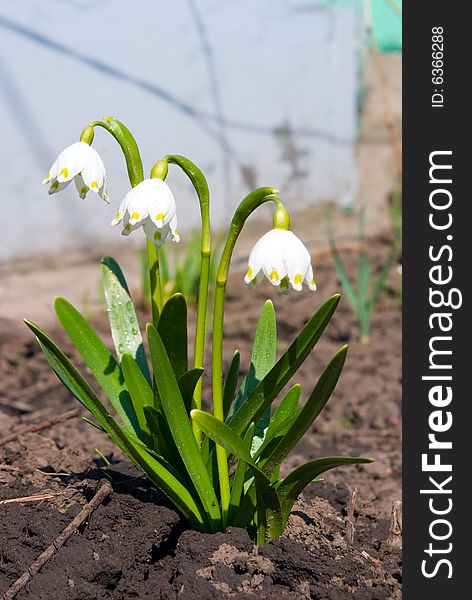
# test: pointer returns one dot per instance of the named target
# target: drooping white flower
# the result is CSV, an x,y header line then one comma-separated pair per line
x,y
152,205
283,258
81,163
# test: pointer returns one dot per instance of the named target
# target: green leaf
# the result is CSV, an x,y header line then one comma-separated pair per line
x,y
239,478
382,277
130,149
265,392
164,443
77,385
341,272
122,316
100,361
172,330
263,356
314,405
140,391
267,501
179,425
231,382
187,384
282,419
291,487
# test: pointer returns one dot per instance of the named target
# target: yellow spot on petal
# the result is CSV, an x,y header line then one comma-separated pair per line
x,y
297,279
118,216
159,217
157,236
312,282
274,276
65,172
47,178
135,216
94,185
249,273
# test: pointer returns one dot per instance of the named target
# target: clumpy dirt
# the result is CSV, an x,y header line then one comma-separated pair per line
x,y
136,546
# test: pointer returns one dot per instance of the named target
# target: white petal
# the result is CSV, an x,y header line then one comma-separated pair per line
x,y
129,228
297,260
57,187
136,205
160,201
255,261
52,173
71,161
103,192
309,279
80,185
157,235
93,170
174,232
272,256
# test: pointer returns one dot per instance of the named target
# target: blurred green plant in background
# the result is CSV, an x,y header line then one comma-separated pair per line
x,y
364,293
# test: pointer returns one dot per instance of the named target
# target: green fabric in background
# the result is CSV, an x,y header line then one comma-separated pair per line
x,y
387,23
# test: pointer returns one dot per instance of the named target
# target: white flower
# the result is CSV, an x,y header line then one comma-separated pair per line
x,y
152,205
82,163
283,259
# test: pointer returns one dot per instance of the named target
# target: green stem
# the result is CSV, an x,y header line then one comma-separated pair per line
x,y
155,281
245,208
128,145
134,165
201,187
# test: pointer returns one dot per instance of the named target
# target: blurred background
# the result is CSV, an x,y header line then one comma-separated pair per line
x,y
303,95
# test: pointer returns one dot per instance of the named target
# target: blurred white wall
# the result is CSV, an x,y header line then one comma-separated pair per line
x,y
255,92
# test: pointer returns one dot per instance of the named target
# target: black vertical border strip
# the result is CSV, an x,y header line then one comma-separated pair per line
x,y
427,129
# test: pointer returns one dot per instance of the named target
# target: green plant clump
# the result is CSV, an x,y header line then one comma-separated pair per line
x,y
220,468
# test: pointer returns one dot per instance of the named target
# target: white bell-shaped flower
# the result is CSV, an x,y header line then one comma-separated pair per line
x,y
81,163
283,258
150,204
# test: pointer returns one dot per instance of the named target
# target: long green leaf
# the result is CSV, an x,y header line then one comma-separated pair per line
x,y
291,487
283,418
187,384
138,386
100,361
122,316
341,272
263,356
314,405
239,478
181,430
265,392
163,441
382,277
77,385
172,330
267,501
231,382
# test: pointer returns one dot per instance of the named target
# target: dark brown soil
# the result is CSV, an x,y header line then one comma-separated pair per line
x,y
136,546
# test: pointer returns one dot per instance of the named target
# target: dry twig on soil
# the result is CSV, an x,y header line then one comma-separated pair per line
x,y
351,506
43,558
70,414
34,498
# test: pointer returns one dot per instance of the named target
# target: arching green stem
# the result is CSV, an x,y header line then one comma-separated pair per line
x,y
134,165
201,187
245,208
128,144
